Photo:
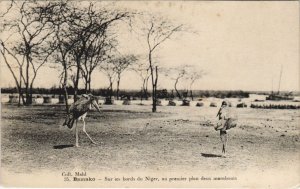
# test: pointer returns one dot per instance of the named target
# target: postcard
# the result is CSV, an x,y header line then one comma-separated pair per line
x,y
150,94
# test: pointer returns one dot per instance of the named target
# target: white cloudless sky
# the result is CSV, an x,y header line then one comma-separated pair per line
x,y
240,45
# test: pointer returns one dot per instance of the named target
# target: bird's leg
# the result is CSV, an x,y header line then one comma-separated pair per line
x,y
87,133
225,143
223,135
76,131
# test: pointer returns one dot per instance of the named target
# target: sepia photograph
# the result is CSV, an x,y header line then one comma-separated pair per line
x,y
149,94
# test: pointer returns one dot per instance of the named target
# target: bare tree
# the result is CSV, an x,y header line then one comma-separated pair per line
x,y
108,69
157,32
61,16
79,30
97,52
121,64
143,70
177,74
29,50
192,76
5,53
11,59
91,24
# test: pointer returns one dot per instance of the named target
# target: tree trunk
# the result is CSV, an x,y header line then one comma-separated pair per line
x,y
153,85
146,94
19,86
27,96
21,96
30,94
27,81
177,92
111,90
86,85
19,89
156,79
89,81
153,99
155,90
76,82
65,88
118,85
89,86
146,88
142,91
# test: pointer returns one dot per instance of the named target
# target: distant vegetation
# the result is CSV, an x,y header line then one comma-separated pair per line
x,y
274,106
285,93
162,93
222,94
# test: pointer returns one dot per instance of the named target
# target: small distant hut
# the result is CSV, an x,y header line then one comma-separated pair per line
x,y
109,101
171,103
185,102
47,99
61,99
241,105
200,104
258,100
213,104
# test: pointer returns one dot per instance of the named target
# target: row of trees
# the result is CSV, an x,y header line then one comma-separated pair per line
x,y
78,38
136,94
188,75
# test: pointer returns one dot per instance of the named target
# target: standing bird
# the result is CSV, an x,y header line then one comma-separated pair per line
x,y
226,122
78,111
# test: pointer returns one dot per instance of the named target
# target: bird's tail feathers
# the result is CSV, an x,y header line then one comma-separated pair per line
x,y
69,121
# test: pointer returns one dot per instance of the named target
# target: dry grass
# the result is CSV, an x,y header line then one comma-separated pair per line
x,y
133,138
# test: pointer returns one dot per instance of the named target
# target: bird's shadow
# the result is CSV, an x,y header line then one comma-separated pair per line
x,y
211,155
63,146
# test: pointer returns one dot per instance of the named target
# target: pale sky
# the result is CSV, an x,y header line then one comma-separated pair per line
x,y
241,45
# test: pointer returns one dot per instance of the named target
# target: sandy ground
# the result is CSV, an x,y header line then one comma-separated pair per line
x,y
131,138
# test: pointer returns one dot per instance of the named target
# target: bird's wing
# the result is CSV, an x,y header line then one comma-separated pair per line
x,y
80,107
231,123
220,124
77,105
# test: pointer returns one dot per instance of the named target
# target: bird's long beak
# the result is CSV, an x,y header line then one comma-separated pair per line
x,y
219,112
95,104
